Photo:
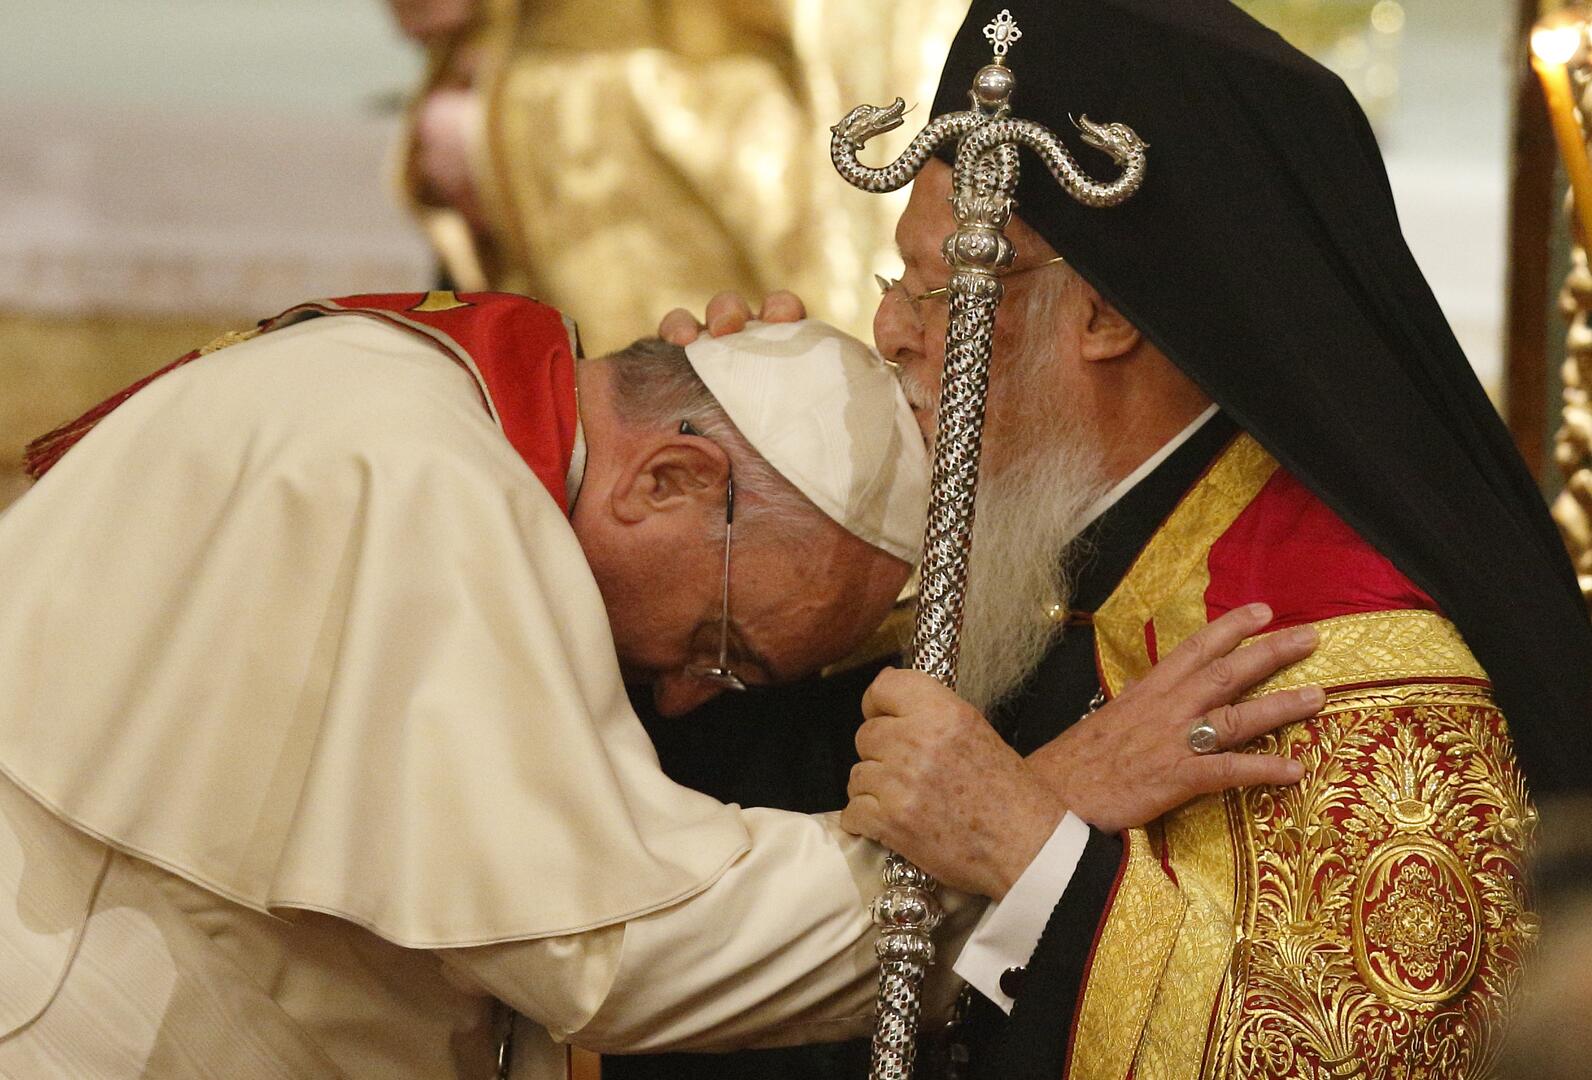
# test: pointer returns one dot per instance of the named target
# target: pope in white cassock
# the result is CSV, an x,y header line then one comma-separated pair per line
x,y
314,743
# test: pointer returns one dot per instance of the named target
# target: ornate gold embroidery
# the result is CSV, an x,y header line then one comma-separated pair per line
x,y
1167,584
1390,915
1166,589
1199,842
1416,933
1128,963
1370,922
231,337
1380,646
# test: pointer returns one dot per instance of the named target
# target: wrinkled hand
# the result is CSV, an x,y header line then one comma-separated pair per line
x,y
939,786
1129,762
728,313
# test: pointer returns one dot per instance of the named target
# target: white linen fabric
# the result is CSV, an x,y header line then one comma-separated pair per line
x,y
314,747
146,976
296,624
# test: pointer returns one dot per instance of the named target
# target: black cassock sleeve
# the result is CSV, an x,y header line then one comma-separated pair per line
x,y
1032,1044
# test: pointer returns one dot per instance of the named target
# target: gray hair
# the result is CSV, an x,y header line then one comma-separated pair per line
x,y
655,386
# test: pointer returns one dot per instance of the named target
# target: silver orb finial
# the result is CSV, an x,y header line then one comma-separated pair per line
x,y
1002,33
992,87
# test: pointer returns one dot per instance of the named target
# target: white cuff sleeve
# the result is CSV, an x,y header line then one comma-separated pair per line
x,y
1006,936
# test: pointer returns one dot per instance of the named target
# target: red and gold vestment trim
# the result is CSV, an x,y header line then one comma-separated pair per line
x,y
520,352
1371,921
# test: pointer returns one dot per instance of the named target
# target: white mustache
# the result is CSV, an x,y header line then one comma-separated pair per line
x,y
922,398
919,394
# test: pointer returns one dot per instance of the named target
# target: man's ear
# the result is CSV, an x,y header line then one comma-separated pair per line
x,y
1107,334
681,472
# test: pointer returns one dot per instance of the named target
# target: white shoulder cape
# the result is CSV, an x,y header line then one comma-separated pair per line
x,y
297,624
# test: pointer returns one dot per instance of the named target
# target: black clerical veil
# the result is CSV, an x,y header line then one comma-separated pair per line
x,y
1264,257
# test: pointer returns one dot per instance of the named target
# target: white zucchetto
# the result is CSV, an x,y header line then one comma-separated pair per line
x,y
829,414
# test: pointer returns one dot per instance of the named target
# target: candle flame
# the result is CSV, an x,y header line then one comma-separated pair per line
x,y
1557,44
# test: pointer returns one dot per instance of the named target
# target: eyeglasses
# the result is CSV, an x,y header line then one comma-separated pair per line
x,y
917,300
720,674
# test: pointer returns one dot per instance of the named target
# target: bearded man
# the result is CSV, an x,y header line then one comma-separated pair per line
x,y
315,748
1235,387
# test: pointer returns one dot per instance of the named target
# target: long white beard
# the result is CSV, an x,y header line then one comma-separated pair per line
x,y
1023,556
1031,507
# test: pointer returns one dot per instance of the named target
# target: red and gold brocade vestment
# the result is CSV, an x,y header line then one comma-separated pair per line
x,y
1369,922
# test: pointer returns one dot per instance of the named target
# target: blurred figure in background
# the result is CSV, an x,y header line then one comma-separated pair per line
x,y
555,151
1549,1038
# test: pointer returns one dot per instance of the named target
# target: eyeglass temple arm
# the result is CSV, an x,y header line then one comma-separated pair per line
x,y
724,591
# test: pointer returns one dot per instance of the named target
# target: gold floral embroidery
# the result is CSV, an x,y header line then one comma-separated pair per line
x,y
1380,646
1369,922
1416,934
1390,915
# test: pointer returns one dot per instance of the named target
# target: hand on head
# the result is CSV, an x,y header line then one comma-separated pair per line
x,y
728,313
939,786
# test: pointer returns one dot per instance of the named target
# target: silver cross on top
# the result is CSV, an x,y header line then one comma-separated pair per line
x,y
1002,33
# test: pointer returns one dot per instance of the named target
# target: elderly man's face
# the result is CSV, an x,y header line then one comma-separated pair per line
x,y
790,612
803,592
913,335
1041,458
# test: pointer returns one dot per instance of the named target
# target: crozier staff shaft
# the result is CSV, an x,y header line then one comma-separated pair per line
x,y
978,252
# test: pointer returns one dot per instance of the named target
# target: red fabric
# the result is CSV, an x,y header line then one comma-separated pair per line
x,y
1166,860
519,347
1290,551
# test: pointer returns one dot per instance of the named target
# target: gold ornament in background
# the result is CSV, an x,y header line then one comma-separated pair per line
x,y
1559,44
643,156
1572,448
1358,39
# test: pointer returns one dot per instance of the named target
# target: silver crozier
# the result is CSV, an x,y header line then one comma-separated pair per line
x,y
978,252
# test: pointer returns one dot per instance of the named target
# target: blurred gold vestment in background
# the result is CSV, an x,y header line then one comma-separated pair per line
x,y
645,157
